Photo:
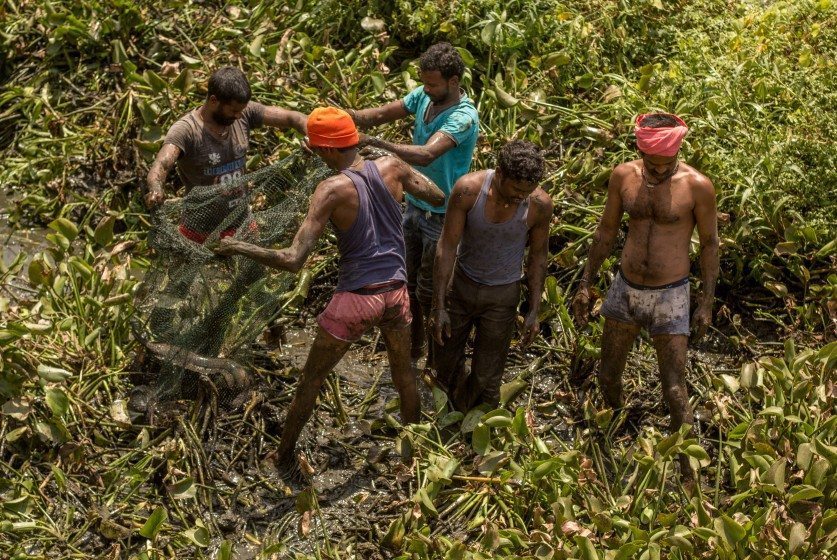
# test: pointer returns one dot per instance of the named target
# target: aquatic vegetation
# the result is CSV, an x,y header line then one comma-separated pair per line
x,y
89,89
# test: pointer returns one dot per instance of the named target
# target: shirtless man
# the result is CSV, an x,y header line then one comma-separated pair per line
x,y
492,216
444,137
665,199
363,204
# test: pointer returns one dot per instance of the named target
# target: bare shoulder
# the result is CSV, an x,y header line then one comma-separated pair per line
x,y
542,203
466,189
336,188
469,185
627,169
699,183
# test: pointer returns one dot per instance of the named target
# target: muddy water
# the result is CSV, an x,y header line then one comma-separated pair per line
x,y
16,240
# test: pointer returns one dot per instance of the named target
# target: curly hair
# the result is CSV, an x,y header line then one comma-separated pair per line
x,y
228,84
521,161
444,58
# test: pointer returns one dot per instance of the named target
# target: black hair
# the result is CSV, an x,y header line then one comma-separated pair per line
x,y
228,84
444,58
658,120
521,161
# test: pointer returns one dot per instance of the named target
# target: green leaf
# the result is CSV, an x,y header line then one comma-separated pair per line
x,y
183,489
729,529
481,439
255,47
57,401
488,33
154,80
586,550
510,390
378,82
154,523
52,374
65,227
198,535
184,81
803,492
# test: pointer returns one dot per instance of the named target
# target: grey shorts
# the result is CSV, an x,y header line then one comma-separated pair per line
x,y
663,310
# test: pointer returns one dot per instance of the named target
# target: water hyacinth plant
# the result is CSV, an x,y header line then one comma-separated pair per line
x,y
89,89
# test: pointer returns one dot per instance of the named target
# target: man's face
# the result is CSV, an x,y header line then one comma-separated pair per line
x,y
659,168
514,190
436,86
226,113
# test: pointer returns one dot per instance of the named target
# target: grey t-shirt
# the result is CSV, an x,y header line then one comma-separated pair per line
x,y
208,159
205,157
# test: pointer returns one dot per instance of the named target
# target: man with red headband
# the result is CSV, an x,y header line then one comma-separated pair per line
x,y
665,199
363,204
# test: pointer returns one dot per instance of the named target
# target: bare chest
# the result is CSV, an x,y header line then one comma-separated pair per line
x,y
663,204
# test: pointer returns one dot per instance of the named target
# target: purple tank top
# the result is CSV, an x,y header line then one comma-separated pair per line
x,y
490,253
372,249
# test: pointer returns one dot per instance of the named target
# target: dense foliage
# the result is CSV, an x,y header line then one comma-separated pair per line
x,y
90,87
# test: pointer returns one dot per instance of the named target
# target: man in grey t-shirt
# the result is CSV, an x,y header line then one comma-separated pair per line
x,y
209,144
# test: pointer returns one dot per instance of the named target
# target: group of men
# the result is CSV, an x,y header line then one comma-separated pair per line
x,y
452,260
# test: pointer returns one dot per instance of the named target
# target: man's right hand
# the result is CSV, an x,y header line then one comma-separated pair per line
x,y
441,325
154,198
581,305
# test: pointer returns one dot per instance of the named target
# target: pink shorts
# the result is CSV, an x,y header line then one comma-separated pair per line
x,y
348,315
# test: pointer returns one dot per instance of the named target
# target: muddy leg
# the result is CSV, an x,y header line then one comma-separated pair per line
x,y
397,342
418,338
324,355
671,357
617,339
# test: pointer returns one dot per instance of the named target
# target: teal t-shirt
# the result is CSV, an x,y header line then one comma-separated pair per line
x,y
461,122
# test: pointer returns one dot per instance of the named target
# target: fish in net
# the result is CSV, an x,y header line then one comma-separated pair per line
x,y
199,313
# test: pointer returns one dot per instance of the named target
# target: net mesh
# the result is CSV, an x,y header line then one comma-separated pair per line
x,y
199,313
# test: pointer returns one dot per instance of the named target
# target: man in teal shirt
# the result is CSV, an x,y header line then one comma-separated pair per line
x,y
444,137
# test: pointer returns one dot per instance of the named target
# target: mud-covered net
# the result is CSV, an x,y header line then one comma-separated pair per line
x,y
199,313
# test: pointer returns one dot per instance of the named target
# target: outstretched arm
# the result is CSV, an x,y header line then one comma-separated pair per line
x,y
424,155
536,264
156,179
367,118
278,117
706,217
417,183
291,258
603,241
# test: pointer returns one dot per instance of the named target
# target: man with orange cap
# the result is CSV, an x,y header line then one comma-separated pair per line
x,y
363,204
665,199
445,134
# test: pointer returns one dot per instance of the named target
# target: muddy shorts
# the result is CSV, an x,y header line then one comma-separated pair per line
x,y
660,310
348,315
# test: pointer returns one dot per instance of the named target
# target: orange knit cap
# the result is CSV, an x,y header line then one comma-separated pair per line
x,y
330,127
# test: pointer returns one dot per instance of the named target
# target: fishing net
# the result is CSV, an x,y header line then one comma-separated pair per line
x,y
199,313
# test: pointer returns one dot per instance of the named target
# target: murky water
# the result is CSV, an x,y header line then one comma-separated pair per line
x,y
16,240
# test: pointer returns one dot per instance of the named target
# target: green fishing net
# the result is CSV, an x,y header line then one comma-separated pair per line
x,y
199,313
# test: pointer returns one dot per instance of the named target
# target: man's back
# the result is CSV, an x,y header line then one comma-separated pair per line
x,y
371,245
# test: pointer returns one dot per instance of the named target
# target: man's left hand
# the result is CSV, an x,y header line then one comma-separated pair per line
x,y
531,328
227,247
701,320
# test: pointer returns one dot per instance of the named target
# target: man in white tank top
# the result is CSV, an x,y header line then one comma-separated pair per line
x,y
492,216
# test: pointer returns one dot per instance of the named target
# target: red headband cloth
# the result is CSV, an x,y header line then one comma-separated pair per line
x,y
664,141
